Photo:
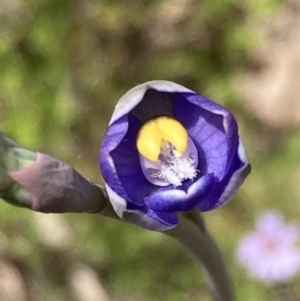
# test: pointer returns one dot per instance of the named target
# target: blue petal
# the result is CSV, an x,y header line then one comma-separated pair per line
x,y
224,191
112,139
155,221
120,164
141,215
150,219
170,199
213,130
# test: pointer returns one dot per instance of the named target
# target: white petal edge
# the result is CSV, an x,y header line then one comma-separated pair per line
x,y
236,180
118,203
134,216
135,95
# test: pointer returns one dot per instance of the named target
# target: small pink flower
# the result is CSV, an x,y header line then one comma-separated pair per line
x,y
270,253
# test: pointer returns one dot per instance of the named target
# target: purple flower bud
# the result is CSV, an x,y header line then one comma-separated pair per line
x,y
200,170
54,186
270,253
42,183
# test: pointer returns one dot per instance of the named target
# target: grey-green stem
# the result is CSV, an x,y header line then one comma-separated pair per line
x,y
191,232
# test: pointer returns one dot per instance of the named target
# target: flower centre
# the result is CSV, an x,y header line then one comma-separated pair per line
x,y
167,154
271,245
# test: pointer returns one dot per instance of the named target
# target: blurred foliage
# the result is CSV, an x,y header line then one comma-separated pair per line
x,y
64,64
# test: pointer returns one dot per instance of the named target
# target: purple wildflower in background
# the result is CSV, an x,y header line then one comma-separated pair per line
x,y
169,150
270,253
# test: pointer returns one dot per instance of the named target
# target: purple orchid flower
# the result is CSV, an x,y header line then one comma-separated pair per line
x,y
169,150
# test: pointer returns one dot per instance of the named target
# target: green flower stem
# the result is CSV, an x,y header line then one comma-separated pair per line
x,y
192,234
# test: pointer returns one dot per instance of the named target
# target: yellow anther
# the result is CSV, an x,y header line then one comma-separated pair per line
x,y
154,133
173,132
149,141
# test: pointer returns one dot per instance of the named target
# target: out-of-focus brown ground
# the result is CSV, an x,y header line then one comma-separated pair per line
x,y
272,88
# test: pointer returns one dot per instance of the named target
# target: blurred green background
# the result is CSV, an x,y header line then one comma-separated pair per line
x,y
63,66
